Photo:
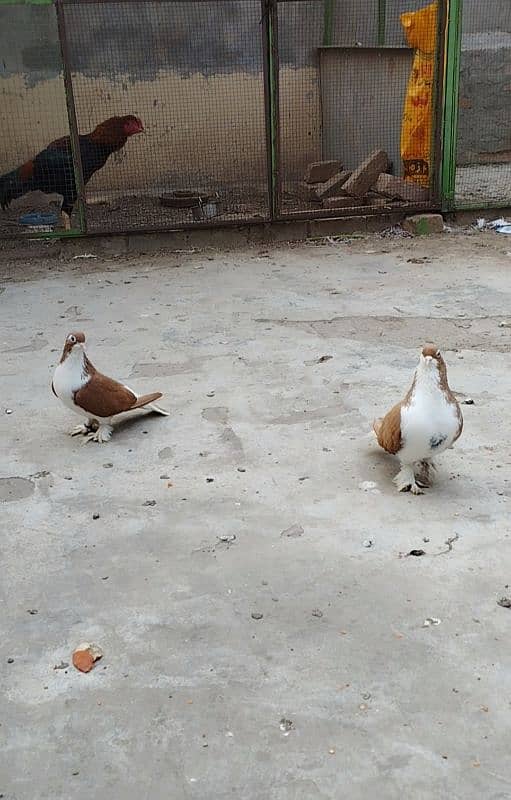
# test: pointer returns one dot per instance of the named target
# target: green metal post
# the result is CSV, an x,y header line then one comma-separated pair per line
x,y
328,22
450,104
382,22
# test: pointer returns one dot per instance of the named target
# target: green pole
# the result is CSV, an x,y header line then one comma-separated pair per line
x,y
450,105
382,22
328,22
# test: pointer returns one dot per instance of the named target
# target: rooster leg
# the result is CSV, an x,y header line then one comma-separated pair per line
x,y
66,221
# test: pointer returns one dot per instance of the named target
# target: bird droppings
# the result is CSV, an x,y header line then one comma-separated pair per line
x,y
286,726
293,532
369,486
12,489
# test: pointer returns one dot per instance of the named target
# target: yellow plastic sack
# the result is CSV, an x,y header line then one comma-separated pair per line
x,y
416,130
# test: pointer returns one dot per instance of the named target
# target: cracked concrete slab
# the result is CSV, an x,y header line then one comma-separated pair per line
x,y
254,644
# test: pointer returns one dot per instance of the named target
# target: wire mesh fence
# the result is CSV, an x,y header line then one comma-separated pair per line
x,y
132,115
36,163
483,148
358,103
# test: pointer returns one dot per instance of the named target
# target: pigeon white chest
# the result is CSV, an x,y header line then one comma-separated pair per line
x,y
429,422
70,376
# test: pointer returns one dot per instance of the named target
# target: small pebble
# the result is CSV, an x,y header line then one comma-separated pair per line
x,y
332,751
8,410
241,469
95,515
32,611
256,615
108,465
316,612
210,394
11,660
149,503
209,480
164,477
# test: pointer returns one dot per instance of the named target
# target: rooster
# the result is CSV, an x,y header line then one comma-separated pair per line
x,y
52,171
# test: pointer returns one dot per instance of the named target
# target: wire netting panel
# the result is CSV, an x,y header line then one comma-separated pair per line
x,y
483,149
350,84
33,175
192,73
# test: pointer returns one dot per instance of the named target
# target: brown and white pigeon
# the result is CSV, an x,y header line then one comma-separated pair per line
x,y
426,422
78,384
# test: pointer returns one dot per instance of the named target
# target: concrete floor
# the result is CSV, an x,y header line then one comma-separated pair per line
x,y
188,700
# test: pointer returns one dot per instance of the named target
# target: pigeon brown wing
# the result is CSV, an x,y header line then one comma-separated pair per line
x,y
388,430
104,397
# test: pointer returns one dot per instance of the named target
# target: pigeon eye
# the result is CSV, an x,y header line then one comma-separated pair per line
x,y
72,339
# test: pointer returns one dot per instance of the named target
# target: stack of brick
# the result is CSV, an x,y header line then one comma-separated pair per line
x,y
328,183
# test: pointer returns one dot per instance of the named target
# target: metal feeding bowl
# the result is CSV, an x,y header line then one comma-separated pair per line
x,y
204,205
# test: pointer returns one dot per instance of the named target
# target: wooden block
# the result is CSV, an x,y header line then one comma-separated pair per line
x,y
399,189
322,171
366,174
332,187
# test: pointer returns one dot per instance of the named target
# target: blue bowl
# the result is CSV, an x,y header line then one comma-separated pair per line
x,y
38,218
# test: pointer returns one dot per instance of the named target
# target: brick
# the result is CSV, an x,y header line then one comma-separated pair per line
x,y
307,191
422,224
366,174
340,202
379,202
399,189
322,171
332,187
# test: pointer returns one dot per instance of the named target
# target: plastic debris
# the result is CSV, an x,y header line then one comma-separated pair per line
x,y
84,255
85,656
500,225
